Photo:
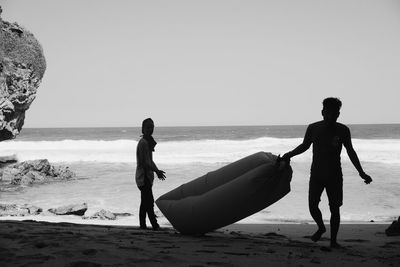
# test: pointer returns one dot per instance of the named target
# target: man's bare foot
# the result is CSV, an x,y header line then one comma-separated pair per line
x,y
335,245
317,235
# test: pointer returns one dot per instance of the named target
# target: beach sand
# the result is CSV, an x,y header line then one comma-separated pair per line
x,y
31,243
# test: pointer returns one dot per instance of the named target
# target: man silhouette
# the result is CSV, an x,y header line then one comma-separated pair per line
x,y
327,137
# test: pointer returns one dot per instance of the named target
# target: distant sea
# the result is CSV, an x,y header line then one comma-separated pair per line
x,y
104,161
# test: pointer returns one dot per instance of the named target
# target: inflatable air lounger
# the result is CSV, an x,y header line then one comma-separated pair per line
x,y
226,195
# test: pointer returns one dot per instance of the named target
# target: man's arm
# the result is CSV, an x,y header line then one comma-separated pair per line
x,y
354,158
307,141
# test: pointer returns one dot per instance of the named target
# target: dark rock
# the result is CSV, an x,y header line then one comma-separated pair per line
x,y
78,209
8,160
33,209
393,229
22,66
62,172
34,171
18,210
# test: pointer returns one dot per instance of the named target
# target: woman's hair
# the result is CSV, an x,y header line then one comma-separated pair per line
x,y
146,121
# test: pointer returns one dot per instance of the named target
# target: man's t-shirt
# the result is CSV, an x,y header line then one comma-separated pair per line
x,y
327,144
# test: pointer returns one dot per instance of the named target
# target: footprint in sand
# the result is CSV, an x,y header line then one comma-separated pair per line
x,y
315,260
205,251
216,263
321,239
216,246
236,253
272,234
89,252
169,247
41,245
326,249
84,264
356,240
391,244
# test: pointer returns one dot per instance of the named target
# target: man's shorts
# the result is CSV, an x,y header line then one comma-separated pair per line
x,y
333,187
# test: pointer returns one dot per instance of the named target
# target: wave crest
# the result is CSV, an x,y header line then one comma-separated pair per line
x,y
185,152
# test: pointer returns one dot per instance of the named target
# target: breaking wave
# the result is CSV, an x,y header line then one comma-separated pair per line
x,y
185,152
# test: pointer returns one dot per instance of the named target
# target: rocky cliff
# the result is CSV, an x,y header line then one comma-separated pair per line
x,y
22,66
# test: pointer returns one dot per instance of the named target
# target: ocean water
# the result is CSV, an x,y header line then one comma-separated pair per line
x,y
104,161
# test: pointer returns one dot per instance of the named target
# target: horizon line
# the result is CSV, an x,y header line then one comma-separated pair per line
x,y
183,126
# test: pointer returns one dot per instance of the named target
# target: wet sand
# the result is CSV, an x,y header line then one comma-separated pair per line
x,y
31,243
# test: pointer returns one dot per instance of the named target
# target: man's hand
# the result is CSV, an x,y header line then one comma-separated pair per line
x,y
286,157
161,174
281,164
366,177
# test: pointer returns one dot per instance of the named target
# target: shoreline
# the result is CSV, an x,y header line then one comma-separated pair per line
x,y
33,243
133,221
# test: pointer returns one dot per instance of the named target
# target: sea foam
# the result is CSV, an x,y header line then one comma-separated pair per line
x,y
187,152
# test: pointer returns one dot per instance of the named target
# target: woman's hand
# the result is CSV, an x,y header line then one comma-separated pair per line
x,y
161,174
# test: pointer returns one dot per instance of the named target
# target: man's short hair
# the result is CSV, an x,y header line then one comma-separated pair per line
x,y
332,103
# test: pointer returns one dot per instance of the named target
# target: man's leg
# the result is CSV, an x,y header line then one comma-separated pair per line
x,y
334,191
335,223
314,195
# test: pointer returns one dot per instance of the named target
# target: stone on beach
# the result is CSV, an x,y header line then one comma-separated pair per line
x,y
394,228
34,171
103,215
22,66
18,210
74,209
107,215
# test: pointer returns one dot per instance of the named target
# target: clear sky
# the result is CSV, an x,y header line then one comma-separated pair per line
x,y
211,62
